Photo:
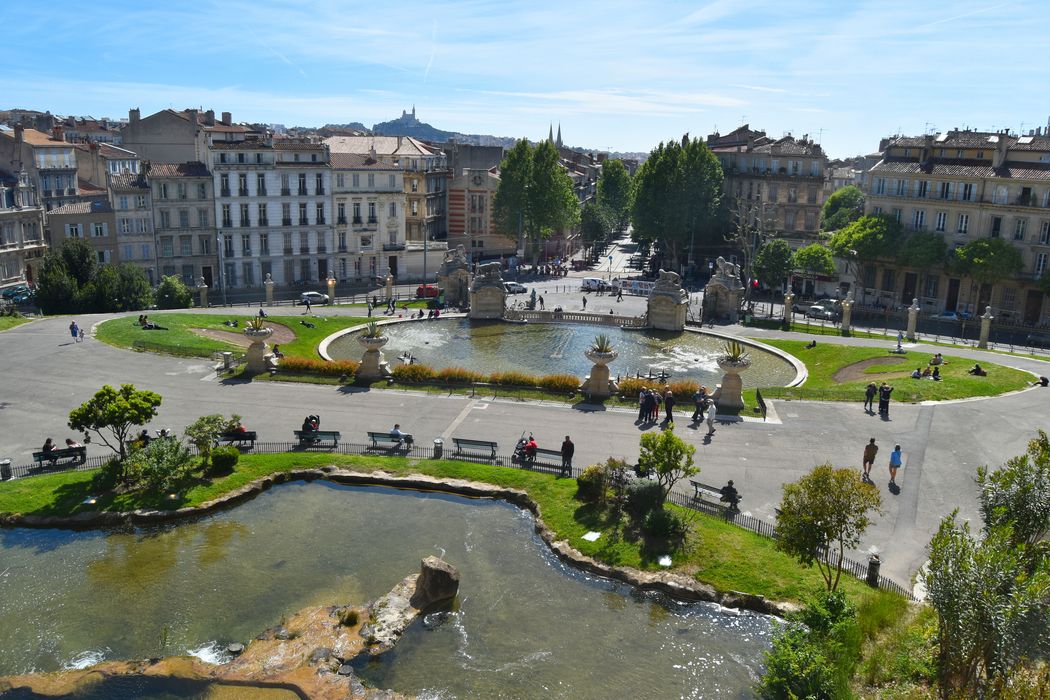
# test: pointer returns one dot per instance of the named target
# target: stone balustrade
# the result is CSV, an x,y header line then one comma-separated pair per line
x,y
577,317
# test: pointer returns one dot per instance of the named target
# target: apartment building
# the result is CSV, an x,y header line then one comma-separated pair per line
x,y
965,185
93,221
784,177
471,193
133,210
369,203
97,161
184,221
49,160
21,229
272,209
180,136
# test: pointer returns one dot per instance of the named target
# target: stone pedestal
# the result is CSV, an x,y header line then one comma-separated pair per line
x,y
256,357
599,385
668,303
986,327
913,319
488,303
331,289
847,315
789,302
202,288
724,293
373,365
729,394
457,287
389,286
268,283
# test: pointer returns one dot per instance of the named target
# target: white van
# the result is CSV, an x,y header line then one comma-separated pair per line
x,y
593,284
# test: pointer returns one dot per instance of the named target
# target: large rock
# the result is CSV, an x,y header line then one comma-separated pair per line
x,y
438,581
391,615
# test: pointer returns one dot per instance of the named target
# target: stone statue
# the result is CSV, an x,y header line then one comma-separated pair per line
x,y
727,269
669,284
488,275
455,259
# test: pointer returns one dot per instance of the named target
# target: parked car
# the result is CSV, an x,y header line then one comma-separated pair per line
x,y
593,284
17,291
826,308
800,307
514,288
313,298
951,316
1038,340
427,291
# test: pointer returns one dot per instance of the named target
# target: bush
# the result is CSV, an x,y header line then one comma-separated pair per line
x,y
512,379
171,293
590,485
324,368
161,465
413,374
663,524
108,476
458,375
796,667
565,383
643,497
224,459
631,387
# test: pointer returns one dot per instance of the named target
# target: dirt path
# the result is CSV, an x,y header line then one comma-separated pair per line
x,y
855,372
281,335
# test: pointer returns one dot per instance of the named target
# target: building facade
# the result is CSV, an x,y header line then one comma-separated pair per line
x,y
471,192
133,210
965,185
94,222
21,230
49,160
184,221
368,198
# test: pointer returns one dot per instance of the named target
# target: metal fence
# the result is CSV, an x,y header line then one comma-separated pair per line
x,y
446,450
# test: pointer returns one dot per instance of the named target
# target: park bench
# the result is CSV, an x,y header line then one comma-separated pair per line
x,y
465,445
247,436
711,493
544,458
75,455
378,439
317,438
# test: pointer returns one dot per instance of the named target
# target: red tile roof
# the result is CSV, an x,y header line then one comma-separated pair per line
x,y
194,169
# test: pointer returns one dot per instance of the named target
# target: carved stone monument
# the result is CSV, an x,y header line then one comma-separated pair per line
x,y
488,298
268,283
668,303
202,287
913,318
986,327
454,277
599,384
723,294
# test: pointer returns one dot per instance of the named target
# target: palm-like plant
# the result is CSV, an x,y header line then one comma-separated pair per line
x,y
372,330
733,351
602,344
256,324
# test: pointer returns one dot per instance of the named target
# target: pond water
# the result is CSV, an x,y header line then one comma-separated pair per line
x,y
524,624
550,348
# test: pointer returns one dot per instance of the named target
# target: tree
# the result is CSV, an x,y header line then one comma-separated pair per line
x,y
121,287
56,290
668,457
79,260
986,261
595,223
1018,494
510,204
844,206
161,465
815,259
204,432
171,293
773,263
111,413
678,194
993,608
614,192
823,514
922,250
753,224
866,240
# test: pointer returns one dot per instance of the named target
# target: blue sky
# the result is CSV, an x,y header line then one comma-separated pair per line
x,y
620,75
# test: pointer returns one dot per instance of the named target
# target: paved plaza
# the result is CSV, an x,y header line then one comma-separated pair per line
x,y
943,443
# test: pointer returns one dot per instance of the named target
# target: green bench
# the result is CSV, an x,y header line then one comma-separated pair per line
x,y
317,438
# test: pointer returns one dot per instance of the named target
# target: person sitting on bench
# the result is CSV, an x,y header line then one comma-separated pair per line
x,y
143,437
401,437
262,313
730,495
49,446
310,424
239,428
977,370
71,443
277,352
530,449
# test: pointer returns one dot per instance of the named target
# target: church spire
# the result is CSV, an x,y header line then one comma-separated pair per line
x,y
558,142
550,133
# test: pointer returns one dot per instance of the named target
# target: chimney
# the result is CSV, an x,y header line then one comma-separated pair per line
x,y
372,152
19,132
192,115
227,118
134,115
57,134
209,117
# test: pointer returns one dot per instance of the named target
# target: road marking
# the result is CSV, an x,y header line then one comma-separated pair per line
x,y
458,419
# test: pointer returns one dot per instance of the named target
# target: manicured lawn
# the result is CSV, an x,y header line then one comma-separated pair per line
x,y
725,556
824,360
12,321
812,328
180,339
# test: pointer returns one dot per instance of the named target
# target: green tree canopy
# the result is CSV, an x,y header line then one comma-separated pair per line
x,y
987,260
595,223
814,259
773,264
844,206
171,293
535,193
678,194
1018,494
822,515
111,413
204,432
922,250
614,191
71,281
668,457
867,238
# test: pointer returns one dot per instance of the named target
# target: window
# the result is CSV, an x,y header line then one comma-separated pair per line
x,y
1044,233
923,189
140,201
967,192
773,192
98,230
285,186
897,213
964,223
123,202
227,219
415,185
393,209
942,221
340,180
166,249
1019,229
227,246
789,220
245,220
202,218
260,185
357,212
889,280
165,218
393,181
263,219
342,241
202,191
242,185
356,179
184,218
264,244
1001,195
930,288
792,194
286,214
811,221
258,158
1040,264
127,252
240,157
902,188
180,189
1008,298
319,183
141,225
204,244
876,211
187,275
371,181
302,214
319,213
997,226
415,207
162,190
945,191
919,220
185,246
341,215
224,185
246,244
371,212
249,273
125,225
302,183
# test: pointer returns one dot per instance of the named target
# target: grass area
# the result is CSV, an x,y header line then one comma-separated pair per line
x,y
899,658
824,360
180,339
7,322
810,328
716,552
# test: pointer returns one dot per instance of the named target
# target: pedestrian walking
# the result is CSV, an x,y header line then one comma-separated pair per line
x,y
619,294
699,400
712,413
307,303
567,450
884,399
82,335
869,396
74,331
669,407
541,303
585,303
870,450
643,405
895,464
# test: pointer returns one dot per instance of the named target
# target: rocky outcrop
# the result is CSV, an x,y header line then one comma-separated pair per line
x,y
391,615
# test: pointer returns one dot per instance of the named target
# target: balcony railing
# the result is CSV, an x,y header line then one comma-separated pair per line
x,y
303,221
357,220
261,192
243,192
322,249
320,190
227,223
342,247
320,220
286,222
263,221
373,220
285,192
224,192
288,250
341,220
302,191
393,246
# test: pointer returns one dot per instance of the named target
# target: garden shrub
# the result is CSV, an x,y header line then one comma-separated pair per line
x,y
325,368
643,497
413,374
630,387
159,466
224,459
683,389
565,383
796,667
512,379
663,524
458,375
590,485
108,475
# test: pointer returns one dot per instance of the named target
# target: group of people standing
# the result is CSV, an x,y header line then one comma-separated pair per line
x,y
650,400
884,391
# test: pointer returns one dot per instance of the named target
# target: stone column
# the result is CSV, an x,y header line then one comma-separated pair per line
x,y
268,283
986,326
789,299
203,289
847,315
913,318
331,289
389,286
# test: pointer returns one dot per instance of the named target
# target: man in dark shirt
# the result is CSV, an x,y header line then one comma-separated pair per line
x,y
567,450
730,495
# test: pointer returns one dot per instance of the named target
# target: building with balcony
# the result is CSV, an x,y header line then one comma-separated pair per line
x,y
92,221
471,193
184,221
784,178
133,210
21,229
97,161
965,185
48,159
180,136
